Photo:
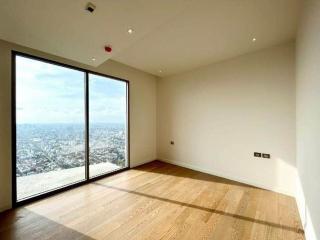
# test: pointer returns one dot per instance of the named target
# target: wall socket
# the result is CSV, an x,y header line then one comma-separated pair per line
x,y
264,155
257,154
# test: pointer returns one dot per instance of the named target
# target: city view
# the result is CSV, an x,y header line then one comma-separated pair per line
x,y
50,129
50,147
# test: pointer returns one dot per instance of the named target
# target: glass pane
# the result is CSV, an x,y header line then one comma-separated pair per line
x,y
50,127
107,125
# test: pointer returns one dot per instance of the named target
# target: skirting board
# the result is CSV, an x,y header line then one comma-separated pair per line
x,y
132,165
309,230
220,174
5,208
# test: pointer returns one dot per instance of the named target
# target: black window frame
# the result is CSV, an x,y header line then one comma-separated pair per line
x,y
15,202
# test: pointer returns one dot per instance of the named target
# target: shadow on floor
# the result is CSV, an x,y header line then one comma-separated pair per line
x,y
24,224
170,169
244,218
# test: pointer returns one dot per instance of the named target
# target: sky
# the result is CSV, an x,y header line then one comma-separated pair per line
x,y
47,93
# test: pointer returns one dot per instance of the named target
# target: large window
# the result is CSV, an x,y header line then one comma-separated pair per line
x,y
107,118
70,126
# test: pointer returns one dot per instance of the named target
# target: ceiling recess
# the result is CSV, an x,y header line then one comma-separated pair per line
x,y
90,7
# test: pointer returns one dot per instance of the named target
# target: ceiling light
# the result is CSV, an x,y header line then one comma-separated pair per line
x,y
93,59
130,31
160,71
254,39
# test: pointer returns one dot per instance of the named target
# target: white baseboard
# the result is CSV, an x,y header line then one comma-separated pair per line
x,y
309,230
132,165
228,176
5,208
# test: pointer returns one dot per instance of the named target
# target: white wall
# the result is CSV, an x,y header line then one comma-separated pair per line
x,y
308,118
142,112
218,115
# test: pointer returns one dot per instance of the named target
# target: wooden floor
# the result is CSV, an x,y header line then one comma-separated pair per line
x,y
157,201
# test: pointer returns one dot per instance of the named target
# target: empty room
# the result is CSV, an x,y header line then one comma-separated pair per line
x,y
160,119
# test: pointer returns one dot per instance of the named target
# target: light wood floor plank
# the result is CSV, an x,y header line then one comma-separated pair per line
x,y
157,201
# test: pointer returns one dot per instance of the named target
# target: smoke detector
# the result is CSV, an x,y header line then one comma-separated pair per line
x,y
108,48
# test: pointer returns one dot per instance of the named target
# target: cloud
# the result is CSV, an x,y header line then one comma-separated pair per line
x,y
47,93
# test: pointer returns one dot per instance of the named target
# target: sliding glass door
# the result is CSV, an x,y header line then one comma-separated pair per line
x,y
70,126
107,129
50,127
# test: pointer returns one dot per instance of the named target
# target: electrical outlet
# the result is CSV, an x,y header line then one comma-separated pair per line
x,y
266,155
257,154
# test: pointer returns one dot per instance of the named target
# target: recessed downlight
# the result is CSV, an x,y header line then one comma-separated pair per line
x,y
130,30
160,71
93,59
254,39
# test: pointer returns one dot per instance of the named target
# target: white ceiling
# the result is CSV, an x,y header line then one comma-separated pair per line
x,y
171,35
